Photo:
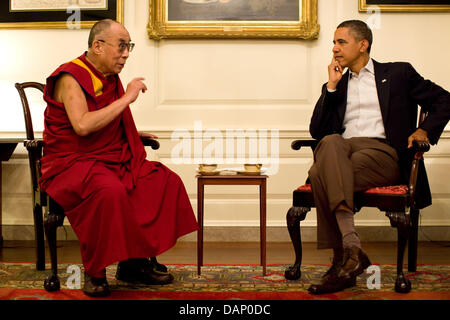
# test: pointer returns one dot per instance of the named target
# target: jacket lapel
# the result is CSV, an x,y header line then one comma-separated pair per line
x,y
382,80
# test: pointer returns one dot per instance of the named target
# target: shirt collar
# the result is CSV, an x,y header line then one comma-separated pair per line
x,y
369,67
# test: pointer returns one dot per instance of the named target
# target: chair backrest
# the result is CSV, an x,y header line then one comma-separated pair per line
x,y
26,107
33,146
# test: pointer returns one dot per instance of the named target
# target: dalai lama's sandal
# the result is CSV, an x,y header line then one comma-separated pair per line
x,y
95,287
141,271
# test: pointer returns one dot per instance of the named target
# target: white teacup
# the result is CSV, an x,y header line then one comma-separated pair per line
x,y
207,167
252,167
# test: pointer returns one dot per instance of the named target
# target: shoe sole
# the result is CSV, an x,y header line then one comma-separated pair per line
x,y
140,281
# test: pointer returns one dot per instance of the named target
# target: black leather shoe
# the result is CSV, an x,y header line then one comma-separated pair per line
x,y
158,266
355,262
343,277
334,269
330,282
141,271
95,287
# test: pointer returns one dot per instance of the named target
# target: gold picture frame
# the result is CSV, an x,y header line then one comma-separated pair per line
x,y
51,18
161,26
410,6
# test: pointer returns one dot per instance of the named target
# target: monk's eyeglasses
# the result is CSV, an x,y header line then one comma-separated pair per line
x,y
122,46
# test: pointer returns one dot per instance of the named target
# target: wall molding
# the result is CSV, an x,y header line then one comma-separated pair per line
x,y
285,133
228,206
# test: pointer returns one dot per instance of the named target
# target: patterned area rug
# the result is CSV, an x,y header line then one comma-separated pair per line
x,y
21,281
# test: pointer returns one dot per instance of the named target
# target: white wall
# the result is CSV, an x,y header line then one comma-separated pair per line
x,y
229,84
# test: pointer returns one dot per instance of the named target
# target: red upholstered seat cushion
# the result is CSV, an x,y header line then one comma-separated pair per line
x,y
400,189
305,187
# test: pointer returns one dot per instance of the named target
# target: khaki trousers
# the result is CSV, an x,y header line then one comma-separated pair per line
x,y
342,167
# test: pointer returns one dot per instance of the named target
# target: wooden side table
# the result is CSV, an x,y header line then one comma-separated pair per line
x,y
203,180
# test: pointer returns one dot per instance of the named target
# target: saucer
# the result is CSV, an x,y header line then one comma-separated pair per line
x,y
208,173
250,173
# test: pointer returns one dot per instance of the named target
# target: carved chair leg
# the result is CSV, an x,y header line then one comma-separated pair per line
x,y
52,283
293,218
54,219
401,221
413,239
39,237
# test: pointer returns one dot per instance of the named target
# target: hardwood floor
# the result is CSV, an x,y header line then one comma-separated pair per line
x,y
239,253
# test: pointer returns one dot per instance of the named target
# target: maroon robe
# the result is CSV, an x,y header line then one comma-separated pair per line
x,y
120,205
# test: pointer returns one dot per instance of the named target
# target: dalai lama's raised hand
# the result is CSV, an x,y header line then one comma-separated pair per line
x,y
83,121
134,88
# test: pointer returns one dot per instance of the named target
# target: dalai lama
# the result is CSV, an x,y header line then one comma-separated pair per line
x,y
122,207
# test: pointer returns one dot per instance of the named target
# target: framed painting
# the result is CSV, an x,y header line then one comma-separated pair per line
x,y
405,5
233,19
40,14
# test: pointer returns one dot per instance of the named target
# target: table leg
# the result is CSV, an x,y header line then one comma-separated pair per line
x,y
200,191
262,204
1,234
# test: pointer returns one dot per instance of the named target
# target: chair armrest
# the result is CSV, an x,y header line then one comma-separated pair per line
x,y
298,144
35,146
150,142
421,146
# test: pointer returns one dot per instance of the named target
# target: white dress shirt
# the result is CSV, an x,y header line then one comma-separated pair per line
x,y
363,114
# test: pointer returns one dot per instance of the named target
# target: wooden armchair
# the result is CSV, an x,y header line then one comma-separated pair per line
x,y
34,148
398,202
54,214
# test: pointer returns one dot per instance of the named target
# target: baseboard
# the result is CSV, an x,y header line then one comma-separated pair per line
x,y
251,234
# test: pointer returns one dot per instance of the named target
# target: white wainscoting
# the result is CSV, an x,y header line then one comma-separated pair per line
x,y
237,206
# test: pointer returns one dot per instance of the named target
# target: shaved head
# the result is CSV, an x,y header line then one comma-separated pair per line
x,y
109,46
98,28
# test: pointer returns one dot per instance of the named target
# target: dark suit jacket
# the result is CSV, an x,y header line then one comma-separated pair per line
x,y
400,90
